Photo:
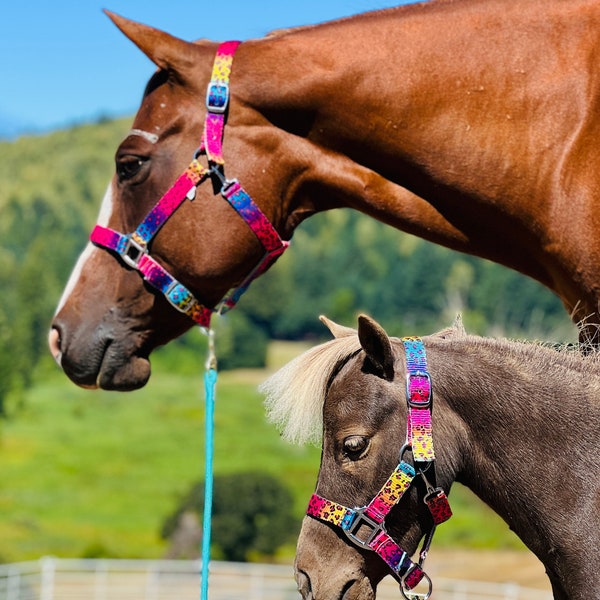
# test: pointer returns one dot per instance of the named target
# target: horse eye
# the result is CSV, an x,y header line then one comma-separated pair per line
x,y
129,166
355,444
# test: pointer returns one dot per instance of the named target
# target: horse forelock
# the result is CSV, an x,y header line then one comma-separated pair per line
x,y
294,395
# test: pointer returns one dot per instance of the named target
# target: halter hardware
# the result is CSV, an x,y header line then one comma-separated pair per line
x,y
354,525
133,252
132,248
217,97
418,389
419,440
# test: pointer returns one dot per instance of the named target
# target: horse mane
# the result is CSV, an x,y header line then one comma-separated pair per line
x,y
294,395
539,356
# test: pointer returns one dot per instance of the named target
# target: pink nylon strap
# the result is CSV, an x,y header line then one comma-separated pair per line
x,y
439,506
217,98
135,256
183,188
370,519
133,248
352,520
233,192
388,496
274,246
329,511
419,434
391,492
398,560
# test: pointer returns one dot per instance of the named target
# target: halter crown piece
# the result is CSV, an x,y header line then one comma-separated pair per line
x,y
365,526
132,248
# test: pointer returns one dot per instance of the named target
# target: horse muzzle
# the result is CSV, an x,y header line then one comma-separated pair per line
x,y
93,359
337,589
328,568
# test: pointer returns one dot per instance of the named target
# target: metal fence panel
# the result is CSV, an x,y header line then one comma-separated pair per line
x,y
108,579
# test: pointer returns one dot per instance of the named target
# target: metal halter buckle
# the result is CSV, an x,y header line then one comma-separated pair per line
x,y
185,306
133,252
353,526
409,378
217,97
411,594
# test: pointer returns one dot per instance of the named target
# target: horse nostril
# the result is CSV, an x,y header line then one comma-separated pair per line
x,y
54,344
304,587
347,592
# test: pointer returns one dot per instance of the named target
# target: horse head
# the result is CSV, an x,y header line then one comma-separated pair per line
x,y
364,427
109,319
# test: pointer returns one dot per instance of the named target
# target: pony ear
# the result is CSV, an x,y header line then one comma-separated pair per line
x,y
377,345
459,326
455,331
338,331
164,50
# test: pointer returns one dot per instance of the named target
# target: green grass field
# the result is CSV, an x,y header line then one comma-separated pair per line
x,y
91,473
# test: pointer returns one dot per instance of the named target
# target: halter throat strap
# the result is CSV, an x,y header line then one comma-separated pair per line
x,y
365,526
132,248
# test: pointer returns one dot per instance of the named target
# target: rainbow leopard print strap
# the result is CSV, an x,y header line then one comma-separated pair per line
x,y
419,434
354,520
133,248
365,526
329,511
389,495
391,492
217,98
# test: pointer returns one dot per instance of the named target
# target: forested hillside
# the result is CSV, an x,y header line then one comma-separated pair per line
x,y
340,263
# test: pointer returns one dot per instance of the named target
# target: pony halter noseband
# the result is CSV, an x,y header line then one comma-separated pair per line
x,y
365,526
132,248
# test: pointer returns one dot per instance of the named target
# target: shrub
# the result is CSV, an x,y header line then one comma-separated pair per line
x,y
251,512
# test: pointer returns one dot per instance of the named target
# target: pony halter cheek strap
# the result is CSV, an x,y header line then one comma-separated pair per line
x,y
365,526
132,248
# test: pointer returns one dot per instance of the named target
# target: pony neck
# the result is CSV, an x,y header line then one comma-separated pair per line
x,y
527,420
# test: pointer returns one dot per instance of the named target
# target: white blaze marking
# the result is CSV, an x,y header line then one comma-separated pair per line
x,y
151,137
103,219
106,207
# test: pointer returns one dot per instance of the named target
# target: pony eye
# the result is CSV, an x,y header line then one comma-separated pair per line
x,y
129,166
355,445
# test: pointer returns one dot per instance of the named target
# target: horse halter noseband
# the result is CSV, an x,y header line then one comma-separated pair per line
x,y
365,526
132,248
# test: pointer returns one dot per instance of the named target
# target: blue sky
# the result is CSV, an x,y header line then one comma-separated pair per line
x,y
63,62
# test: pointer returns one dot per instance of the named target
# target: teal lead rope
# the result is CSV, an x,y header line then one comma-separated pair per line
x,y
210,381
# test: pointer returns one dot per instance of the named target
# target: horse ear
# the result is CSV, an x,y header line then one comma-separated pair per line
x,y
338,331
164,50
377,345
459,326
456,330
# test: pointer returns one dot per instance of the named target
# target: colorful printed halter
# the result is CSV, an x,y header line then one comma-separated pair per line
x,y
365,526
132,248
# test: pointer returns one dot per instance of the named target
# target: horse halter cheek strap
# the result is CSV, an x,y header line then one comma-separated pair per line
x,y
132,248
365,526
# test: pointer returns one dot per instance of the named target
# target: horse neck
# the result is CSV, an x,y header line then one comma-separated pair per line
x,y
376,106
528,422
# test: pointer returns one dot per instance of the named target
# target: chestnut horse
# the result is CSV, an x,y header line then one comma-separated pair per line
x,y
517,423
470,123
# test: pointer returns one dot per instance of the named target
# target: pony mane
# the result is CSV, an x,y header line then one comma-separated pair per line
x,y
294,395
